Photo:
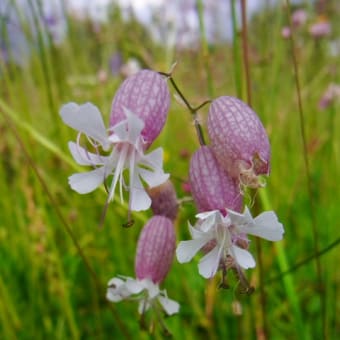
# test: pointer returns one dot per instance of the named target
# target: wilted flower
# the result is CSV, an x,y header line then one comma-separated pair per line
x,y
126,146
225,239
211,187
238,140
155,251
164,200
146,94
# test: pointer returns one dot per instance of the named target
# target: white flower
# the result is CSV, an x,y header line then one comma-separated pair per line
x,y
220,235
124,144
147,292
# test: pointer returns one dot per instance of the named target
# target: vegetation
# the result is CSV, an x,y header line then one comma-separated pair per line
x,y
55,261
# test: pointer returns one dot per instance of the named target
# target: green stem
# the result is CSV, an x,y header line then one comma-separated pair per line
x,y
236,52
246,66
205,47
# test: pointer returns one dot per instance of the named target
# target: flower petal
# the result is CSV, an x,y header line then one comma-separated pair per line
x,y
152,288
242,257
134,286
153,178
117,290
170,306
86,182
208,264
204,215
210,221
86,118
267,226
144,305
139,199
239,219
84,157
150,168
186,250
135,125
154,159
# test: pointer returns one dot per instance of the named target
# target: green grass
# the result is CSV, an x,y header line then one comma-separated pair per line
x,y
55,261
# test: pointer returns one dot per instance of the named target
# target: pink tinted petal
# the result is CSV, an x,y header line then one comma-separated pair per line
x,y
146,94
155,249
238,138
212,188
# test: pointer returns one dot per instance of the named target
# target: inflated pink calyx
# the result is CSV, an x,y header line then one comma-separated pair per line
x,y
155,249
211,187
146,94
239,141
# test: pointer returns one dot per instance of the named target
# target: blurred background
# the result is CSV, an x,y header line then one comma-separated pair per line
x,y
55,261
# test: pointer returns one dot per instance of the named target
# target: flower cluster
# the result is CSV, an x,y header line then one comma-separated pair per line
x,y
236,158
239,153
138,114
319,28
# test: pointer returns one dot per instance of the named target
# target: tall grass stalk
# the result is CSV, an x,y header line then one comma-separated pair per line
x,y
97,285
312,206
237,51
205,48
262,301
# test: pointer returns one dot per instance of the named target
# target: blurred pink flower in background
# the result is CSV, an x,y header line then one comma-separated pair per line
x,y
286,32
299,17
320,29
329,96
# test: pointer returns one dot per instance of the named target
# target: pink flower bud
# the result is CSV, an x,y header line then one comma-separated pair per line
x,y
146,94
164,200
238,140
155,249
212,188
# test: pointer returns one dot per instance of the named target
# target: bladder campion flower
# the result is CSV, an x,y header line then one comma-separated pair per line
x,y
154,255
125,146
239,140
225,239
